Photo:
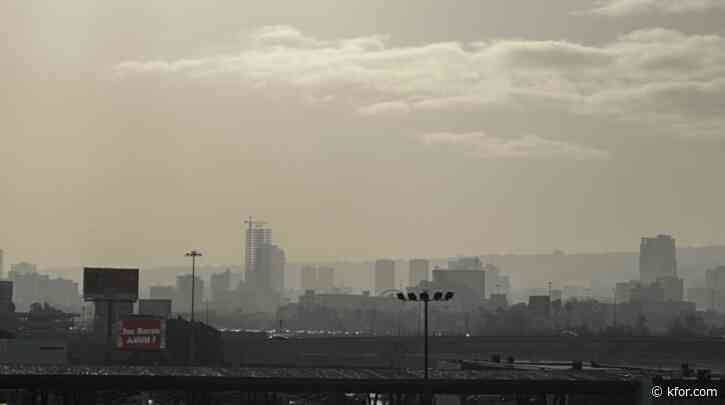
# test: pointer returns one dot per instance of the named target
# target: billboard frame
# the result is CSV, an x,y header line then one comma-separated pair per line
x,y
100,291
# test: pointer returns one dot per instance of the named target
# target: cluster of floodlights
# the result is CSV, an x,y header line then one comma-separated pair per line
x,y
424,296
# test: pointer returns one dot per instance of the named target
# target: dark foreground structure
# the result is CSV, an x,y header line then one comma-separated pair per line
x,y
79,385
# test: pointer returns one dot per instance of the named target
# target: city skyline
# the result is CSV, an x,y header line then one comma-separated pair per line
x,y
525,271
362,202
175,261
520,128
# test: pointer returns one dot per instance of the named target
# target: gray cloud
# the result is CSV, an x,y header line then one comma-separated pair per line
x,y
387,107
617,8
481,145
664,78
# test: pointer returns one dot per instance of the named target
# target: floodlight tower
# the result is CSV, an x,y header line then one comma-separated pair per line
x,y
193,254
425,297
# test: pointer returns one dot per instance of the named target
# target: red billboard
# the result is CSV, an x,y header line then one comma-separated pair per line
x,y
110,284
142,334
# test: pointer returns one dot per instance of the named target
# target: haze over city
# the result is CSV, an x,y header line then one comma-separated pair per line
x,y
329,202
135,132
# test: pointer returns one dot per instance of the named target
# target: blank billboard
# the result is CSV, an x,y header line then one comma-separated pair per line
x,y
110,284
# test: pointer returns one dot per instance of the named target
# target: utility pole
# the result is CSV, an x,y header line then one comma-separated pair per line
x,y
419,320
193,254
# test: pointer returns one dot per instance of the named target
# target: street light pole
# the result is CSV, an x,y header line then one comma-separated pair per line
x,y
193,254
418,321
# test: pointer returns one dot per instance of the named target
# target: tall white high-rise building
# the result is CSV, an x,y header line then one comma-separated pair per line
x,y
257,236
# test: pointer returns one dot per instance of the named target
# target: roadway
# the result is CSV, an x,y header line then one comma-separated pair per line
x,y
63,379
390,351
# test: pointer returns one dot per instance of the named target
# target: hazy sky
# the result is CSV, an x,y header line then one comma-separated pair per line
x,y
133,132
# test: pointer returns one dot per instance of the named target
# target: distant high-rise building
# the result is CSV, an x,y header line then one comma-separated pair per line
x,y
499,301
418,270
540,305
651,293
220,284
182,301
325,278
384,275
269,268
715,279
657,258
471,282
715,282
23,268
465,263
702,297
673,288
493,280
278,262
576,292
503,286
308,278
556,295
623,291
6,296
31,287
2,263
155,307
257,236
161,292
